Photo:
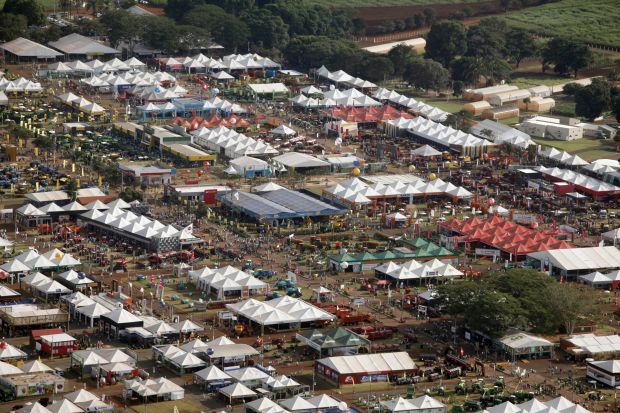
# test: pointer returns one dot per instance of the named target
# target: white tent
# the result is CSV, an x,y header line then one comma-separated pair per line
x,y
35,366
283,130
10,352
237,391
212,373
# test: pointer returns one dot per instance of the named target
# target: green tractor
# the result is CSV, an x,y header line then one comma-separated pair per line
x,y
477,386
500,383
461,388
472,406
457,408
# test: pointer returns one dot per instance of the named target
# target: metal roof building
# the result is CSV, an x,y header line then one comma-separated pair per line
x,y
363,368
81,46
22,49
281,204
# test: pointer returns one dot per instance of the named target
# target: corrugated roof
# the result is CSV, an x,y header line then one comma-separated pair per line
x,y
27,48
77,44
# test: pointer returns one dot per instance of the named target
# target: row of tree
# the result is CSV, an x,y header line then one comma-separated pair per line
x,y
595,99
518,298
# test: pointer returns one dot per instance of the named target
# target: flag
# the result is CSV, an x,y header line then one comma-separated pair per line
x,y
561,279
462,352
161,282
152,279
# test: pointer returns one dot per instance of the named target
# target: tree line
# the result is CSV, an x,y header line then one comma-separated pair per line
x,y
519,298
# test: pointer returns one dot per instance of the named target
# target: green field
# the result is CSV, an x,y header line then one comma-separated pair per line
x,y
385,3
592,20
588,149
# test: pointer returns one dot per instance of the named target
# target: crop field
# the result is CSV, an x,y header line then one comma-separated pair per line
x,y
593,21
385,3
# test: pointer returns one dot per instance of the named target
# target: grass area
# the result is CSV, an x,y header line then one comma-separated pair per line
x,y
510,121
588,149
451,106
47,4
592,21
385,3
525,82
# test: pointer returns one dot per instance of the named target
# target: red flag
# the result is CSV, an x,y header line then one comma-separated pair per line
x,y
152,279
462,352
561,279
161,282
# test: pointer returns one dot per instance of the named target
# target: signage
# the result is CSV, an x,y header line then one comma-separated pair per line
x,y
487,252
358,301
534,185
520,218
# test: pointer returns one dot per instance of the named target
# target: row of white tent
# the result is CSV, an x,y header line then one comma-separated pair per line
x,y
19,85
45,284
233,143
435,132
579,179
158,387
350,97
414,270
76,402
227,279
139,225
342,77
420,108
73,207
281,310
355,191
31,260
83,104
564,157
137,79
598,278
602,168
96,66
201,62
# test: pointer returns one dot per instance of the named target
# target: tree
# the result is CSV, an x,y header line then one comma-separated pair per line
x,y
571,89
123,26
566,55
226,29
426,74
12,26
482,308
615,108
375,68
429,15
446,41
400,56
30,9
484,42
569,303
457,88
161,33
592,100
267,29
520,45
419,20
176,9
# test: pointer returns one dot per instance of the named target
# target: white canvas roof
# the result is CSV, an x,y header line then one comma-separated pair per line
x,y
296,403
188,326
122,316
363,363
247,374
237,390
9,352
523,340
572,259
212,373
64,406
8,369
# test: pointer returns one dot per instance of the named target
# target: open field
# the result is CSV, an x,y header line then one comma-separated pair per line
x,y
385,3
588,149
592,21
